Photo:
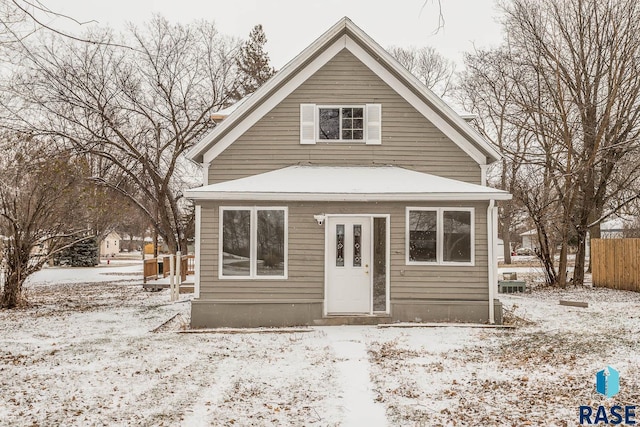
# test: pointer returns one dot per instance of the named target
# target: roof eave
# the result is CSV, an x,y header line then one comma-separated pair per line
x,y
345,25
344,197
197,152
455,118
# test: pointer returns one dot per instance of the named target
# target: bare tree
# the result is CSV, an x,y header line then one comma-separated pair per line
x,y
38,209
572,72
433,69
21,19
139,109
585,55
486,88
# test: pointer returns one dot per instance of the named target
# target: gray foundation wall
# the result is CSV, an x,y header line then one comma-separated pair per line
x,y
211,314
242,314
444,311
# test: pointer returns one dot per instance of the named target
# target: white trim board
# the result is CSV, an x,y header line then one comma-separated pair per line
x,y
253,245
345,197
327,261
355,183
268,96
198,234
440,236
268,104
416,102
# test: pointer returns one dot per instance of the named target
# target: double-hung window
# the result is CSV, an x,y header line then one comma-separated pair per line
x,y
440,236
253,243
361,123
341,123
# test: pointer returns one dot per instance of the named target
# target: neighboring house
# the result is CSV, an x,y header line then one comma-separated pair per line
x,y
500,249
110,245
344,187
530,240
613,229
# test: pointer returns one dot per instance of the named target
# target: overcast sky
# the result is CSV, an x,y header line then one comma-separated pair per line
x,y
291,25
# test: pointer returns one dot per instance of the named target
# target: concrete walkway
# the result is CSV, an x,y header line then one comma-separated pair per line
x,y
359,405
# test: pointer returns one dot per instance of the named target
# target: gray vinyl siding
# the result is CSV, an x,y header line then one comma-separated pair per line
x,y
408,139
306,258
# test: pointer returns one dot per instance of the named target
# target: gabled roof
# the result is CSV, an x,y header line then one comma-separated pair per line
x,y
344,34
345,183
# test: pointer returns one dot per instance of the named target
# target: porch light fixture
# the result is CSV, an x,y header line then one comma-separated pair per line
x,y
319,218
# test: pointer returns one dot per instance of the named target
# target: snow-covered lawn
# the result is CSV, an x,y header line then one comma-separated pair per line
x,y
93,352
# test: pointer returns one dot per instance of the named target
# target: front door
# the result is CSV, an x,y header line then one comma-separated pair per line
x,y
348,261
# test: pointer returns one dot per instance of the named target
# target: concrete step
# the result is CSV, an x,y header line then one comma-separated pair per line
x,y
352,320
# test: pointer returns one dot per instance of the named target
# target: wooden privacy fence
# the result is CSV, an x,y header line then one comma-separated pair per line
x,y
150,269
184,266
615,263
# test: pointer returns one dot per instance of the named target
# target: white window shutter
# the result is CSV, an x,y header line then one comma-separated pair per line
x,y
374,123
307,123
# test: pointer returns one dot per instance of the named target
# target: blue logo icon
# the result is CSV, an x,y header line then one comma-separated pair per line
x,y
608,382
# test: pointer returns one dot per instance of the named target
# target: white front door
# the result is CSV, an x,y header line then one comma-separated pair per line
x,y
348,261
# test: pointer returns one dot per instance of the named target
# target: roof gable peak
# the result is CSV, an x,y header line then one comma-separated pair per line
x,y
343,34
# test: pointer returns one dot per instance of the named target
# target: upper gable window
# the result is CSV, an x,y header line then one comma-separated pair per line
x,y
341,123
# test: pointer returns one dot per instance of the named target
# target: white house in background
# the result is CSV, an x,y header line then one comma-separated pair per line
x,y
500,249
613,229
110,245
530,239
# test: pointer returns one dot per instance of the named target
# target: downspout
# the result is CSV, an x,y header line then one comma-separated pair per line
x,y
198,236
491,259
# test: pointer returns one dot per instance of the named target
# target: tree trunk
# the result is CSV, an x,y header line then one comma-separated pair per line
x,y
594,233
578,271
562,263
11,294
546,255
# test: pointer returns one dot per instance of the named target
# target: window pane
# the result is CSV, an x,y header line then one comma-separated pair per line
x,y
347,134
358,112
347,124
358,124
358,134
457,236
329,123
340,245
379,264
357,245
236,243
422,236
270,235
347,112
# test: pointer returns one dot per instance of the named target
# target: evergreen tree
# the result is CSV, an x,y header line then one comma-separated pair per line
x,y
80,254
253,64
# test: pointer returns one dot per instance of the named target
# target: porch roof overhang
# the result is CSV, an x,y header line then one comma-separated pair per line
x,y
345,183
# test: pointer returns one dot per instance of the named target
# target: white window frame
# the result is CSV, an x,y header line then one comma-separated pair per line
x,y
339,106
253,245
440,236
